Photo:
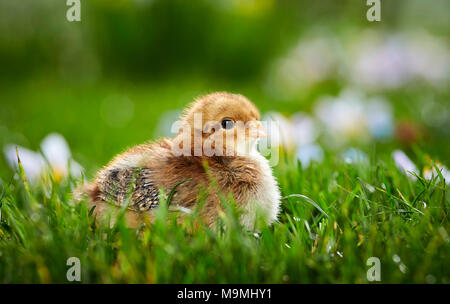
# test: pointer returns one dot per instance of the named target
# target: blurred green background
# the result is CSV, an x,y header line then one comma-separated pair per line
x,y
109,81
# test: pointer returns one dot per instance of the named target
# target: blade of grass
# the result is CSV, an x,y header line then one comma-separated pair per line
x,y
307,199
172,192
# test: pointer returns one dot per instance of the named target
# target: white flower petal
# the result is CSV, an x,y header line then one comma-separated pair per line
x,y
353,155
76,170
280,131
404,164
57,152
306,129
379,118
431,173
33,163
344,117
307,154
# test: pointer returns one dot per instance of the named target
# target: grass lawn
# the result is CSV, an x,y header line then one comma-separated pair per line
x,y
348,213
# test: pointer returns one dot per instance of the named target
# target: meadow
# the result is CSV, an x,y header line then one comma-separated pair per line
x,y
363,145
345,213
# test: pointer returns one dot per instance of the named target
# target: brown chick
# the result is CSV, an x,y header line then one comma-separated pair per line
x,y
220,130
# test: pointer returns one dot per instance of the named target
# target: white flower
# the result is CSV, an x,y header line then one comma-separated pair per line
x,y
351,116
306,129
379,62
370,58
379,118
428,58
32,162
353,155
430,172
404,164
281,131
308,153
344,116
55,150
394,60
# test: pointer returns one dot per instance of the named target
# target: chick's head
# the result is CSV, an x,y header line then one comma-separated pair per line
x,y
222,124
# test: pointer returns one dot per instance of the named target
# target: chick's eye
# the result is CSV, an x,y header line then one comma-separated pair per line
x,y
227,123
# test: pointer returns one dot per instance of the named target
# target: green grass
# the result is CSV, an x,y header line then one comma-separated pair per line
x,y
367,210
351,211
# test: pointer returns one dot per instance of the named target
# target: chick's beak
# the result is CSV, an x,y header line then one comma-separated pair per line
x,y
256,130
